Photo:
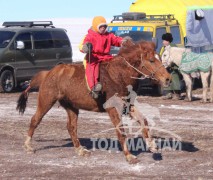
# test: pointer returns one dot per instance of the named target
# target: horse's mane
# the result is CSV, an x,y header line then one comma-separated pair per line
x,y
142,45
132,51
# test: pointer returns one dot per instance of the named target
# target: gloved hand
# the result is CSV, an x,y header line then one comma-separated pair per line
x,y
126,38
87,47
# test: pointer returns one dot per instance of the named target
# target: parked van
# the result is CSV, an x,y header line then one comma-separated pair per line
x,y
29,47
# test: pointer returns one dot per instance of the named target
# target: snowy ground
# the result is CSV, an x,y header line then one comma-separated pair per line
x,y
55,156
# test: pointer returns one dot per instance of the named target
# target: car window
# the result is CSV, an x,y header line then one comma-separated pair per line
x,y
175,30
26,38
5,38
60,39
43,40
159,32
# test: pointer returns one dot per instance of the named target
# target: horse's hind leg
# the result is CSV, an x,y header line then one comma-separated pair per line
x,y
204,78
72,129
43,107
114,116
150,142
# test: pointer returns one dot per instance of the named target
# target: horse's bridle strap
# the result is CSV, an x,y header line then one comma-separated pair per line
x,y
142,65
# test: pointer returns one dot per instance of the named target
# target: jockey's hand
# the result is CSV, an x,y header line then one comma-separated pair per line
x,y
87,47
125,39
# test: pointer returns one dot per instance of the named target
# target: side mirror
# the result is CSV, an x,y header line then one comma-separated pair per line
x,y
20,45
154,40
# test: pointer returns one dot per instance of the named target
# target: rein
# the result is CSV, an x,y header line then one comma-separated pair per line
x,y
145,76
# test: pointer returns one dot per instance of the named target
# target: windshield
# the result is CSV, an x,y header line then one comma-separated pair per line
x,y
5,38
136,33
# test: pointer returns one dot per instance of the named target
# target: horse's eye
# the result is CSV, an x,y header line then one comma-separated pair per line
x,y
152,60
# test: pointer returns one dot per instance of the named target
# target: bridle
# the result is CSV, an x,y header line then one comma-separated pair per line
x,y
142,65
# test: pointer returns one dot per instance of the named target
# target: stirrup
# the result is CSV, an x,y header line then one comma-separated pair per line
x,y
94,94
97,87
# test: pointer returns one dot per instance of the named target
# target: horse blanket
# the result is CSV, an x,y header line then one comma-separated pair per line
x,y
192,62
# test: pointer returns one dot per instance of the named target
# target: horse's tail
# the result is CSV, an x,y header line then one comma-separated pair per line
x,y
22,101
35,83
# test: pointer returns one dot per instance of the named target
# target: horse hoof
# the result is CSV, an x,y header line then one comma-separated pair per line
x,y
131,159
153,149
204,101
81,151
28,148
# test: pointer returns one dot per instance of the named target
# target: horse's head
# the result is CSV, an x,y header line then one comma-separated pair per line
x,y
173,55
166,58
141,57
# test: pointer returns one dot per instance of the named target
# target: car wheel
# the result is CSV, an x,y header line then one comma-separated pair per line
x,y
158,90
7,82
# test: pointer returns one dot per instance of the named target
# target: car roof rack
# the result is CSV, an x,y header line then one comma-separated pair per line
x,y
135,16
28,23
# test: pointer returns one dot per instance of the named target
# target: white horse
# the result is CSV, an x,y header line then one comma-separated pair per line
x,y
174,55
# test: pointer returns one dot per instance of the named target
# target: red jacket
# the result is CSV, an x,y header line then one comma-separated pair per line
x,y
101,45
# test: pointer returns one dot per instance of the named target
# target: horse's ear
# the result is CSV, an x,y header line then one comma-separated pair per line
x,y
157,56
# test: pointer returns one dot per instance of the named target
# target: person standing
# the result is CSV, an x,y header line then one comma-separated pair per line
x,y
174,90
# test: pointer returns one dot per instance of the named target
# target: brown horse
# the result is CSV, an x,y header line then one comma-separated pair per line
x,y
67,85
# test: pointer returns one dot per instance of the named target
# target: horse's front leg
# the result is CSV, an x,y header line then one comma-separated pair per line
x,y
188,81
116,120
150,142
204,78
72,129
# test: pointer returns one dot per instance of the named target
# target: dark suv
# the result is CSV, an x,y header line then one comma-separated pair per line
x,y
29,47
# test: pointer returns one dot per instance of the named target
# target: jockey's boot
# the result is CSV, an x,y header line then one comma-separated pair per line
x,y
97,87
96,90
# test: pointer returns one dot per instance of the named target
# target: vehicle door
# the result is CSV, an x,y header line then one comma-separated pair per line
x,y
24,58
45,55
63,50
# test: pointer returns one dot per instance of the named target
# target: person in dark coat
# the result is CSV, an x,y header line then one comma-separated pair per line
x,y
174,90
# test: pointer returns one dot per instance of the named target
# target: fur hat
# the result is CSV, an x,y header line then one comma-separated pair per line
x,y
199,14
97,22
167,37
